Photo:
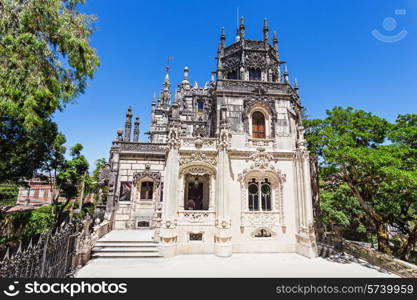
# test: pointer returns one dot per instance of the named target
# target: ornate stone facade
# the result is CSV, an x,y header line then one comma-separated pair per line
x,y
225,169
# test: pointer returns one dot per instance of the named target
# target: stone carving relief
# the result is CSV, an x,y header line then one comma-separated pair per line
x,y
267,103
255,60
173,137
263,233
262,168
197,171
200,131
155,176
231,63
196,157
261,159
236,84
196,217
141,147
261,219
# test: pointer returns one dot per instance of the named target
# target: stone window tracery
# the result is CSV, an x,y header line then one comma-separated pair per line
x,y
259,195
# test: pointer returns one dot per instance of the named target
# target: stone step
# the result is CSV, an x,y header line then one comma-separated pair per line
x,y
126,255
125,250
126,245
125,242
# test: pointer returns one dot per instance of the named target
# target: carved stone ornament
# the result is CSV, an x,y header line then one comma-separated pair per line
x,y
173,137
197,171
141,147
196,217
196,157
255,60
231,63
267,103
200,131
263,233
261,219
224,139
147,173
236,84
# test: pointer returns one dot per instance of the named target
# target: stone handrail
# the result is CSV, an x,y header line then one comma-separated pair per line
x,y
381,260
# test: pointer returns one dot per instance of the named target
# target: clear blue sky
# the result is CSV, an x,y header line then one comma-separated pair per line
x,y
328,46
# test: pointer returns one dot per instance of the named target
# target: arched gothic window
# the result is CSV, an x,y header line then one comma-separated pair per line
x,y
258,125
253,195
259,190
146,190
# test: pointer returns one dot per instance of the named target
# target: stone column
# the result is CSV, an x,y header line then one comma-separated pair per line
x,y
168,232
306,240
212,190
112,199
223,235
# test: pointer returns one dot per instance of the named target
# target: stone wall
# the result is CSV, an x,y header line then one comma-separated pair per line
x,y
381,260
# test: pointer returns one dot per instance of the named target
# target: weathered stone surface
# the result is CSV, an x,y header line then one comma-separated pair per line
x,y
233,150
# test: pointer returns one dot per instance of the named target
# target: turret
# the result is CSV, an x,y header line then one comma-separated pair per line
x,y
166,94
286,74
136,130
222,38
242,30
266,33
128,124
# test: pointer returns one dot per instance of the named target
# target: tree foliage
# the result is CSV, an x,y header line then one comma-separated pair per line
x,y
373,162
45,62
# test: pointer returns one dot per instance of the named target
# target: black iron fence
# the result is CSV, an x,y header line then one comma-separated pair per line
x,y
48,255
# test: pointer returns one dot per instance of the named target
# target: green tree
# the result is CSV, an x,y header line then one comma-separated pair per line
x,y
99,191
65,176
45,62
404,186
315,146
349,145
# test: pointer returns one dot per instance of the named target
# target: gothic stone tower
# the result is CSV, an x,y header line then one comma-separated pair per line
x,y
226,168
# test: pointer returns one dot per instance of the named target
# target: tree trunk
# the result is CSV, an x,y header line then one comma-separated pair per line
x,y
382,236
315,192
378,221
405,250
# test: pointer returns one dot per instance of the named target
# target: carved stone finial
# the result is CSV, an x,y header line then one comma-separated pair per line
x,y
136,130
120,134
128,124
242,29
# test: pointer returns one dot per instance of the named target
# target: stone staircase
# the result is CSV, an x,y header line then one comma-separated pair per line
x,y
124,244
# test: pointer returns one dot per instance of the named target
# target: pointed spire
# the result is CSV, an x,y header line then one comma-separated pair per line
x,y
266,33
295,84
219,63
136,130
275,42
242,29
165,96
154,100
128,124
222,38
286,73
167,83
185,80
